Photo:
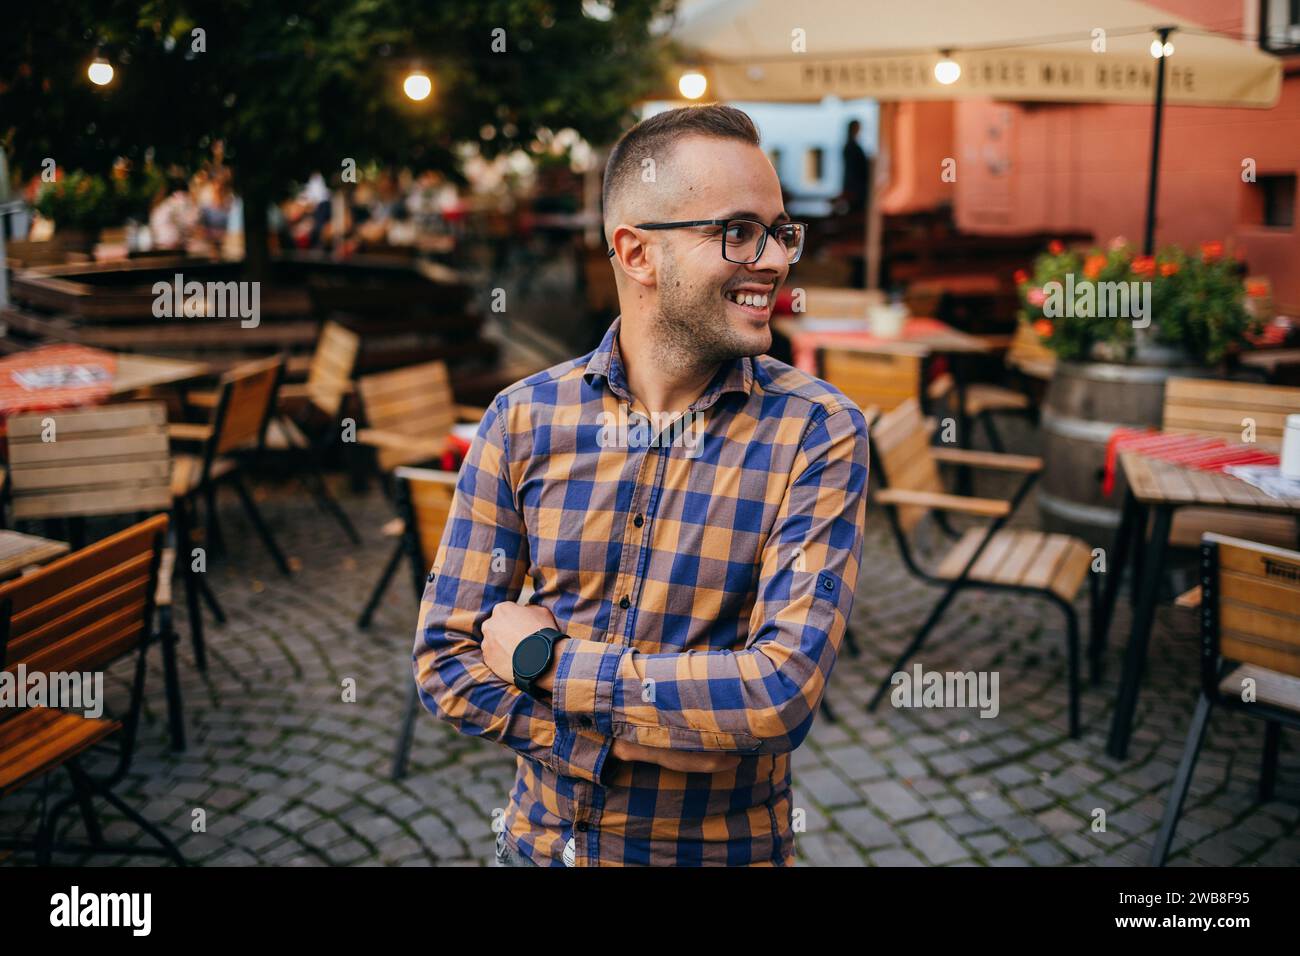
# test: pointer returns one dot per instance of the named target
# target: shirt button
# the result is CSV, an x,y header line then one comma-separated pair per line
x,y
625,603
639,520
583,826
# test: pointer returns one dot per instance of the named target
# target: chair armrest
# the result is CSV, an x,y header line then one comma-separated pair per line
x,y
201,399
296,391
983,507
189,431
470,413
1025,464
940,387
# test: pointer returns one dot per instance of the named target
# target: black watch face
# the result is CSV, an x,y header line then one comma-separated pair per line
x,y
532,654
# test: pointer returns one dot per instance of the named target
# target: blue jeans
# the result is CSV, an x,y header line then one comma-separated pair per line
x,y
508,856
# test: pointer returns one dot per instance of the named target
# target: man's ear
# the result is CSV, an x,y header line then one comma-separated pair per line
x,y
633,255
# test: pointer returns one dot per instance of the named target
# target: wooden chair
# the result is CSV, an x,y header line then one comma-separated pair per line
x,y
79,615
883,378
1218,409
424,498
108,460
991,557
308,414
1250,632
245,402
409,413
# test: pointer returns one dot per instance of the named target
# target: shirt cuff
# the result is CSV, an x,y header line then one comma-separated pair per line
x,y
579,753
582,697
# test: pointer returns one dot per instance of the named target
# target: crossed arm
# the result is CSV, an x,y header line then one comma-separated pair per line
x,y
706,709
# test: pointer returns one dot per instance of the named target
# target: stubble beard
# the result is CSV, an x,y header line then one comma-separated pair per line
x,y
691,328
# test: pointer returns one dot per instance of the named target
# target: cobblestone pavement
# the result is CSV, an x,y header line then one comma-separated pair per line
x,y
288,773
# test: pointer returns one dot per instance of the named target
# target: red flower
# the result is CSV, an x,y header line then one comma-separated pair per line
x,y
1144,265
1036,296
1044,328
1211,250
1055,247
1093,265
1021,277
1257,288
1168,268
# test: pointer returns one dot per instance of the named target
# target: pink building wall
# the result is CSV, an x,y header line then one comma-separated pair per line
x,y
1033,167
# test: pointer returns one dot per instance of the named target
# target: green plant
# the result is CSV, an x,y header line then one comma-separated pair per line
x,y
82,200
1195,301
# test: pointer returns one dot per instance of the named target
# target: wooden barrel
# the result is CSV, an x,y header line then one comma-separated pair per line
x,y
1085,402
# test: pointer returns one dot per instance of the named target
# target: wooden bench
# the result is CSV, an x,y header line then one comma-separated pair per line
x,y
77,615
988,556
1250,640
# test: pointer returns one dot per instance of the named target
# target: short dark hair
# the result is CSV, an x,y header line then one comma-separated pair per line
x,y
655,135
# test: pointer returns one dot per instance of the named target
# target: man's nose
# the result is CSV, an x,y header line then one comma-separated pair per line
x,y
774,257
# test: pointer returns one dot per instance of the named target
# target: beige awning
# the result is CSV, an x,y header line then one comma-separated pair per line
x,y
1007,49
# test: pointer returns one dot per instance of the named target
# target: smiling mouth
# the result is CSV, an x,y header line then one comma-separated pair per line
x,y
752,302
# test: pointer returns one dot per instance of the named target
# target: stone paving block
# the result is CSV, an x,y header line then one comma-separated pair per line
x,y
894,801
935,843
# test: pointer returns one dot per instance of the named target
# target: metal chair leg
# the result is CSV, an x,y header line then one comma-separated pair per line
x,y
192,584
210,599
827,712
263,531
317,488
168,846
1096,632
1072,650
381,586
171,679
1182,780
1268,772
851,642
995,441
913,647
402,757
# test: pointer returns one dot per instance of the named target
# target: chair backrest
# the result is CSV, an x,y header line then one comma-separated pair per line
x,y
330,374
1028,353
900,443
415,401
1226,409
113,459
884,378
430,494
246,399
1251,595
85,610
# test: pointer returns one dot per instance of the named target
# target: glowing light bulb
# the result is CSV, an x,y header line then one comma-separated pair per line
x,y
947,71
100,72
417,85
692,85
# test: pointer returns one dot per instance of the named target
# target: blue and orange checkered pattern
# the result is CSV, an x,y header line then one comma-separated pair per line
x,y
705,591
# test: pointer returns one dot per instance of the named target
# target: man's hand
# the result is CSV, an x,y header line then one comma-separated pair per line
x,y
686,761
507,625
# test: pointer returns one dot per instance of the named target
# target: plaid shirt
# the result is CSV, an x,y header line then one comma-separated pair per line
x,y
705,588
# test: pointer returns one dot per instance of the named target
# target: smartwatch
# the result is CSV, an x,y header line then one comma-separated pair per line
x,y
533,655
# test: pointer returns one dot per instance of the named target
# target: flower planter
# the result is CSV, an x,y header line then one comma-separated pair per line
x,y
1085,403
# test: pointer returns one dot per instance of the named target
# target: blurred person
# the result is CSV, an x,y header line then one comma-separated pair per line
x,y
689,512
856,167
174,216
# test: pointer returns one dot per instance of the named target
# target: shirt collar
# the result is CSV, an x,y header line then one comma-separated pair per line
x,y
607,363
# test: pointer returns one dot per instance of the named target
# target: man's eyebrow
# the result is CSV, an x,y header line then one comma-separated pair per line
x,y
750,214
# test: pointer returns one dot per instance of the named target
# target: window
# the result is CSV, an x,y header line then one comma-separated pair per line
x,y
814,165
1279,200
1279,25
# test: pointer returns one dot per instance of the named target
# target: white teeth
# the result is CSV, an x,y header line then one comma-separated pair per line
x,y
749,299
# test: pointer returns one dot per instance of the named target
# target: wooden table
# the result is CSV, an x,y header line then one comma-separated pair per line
x,y
19,551
1156,489
921,336
147,371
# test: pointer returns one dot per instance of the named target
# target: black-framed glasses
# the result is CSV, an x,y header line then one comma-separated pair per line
x,y
743,240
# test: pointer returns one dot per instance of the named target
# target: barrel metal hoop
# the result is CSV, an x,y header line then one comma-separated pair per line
x,y
1082,428
1139,374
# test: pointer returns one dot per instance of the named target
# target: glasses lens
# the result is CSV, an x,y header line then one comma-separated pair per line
x,y
742,240
791,236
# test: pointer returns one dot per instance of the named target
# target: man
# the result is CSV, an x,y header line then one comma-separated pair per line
x,y
690,515
856,166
